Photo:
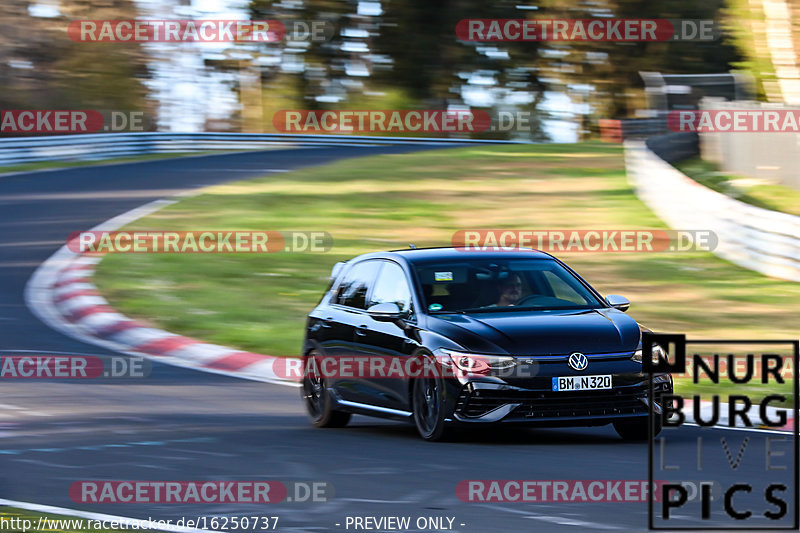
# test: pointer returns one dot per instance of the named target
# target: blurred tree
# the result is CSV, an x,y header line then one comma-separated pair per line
x,y
407,51
397,54
307,67
745,22
428,58
608,72
40,67
432,65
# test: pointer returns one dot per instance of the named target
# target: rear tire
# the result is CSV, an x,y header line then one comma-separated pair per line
x,y
318,399
430,408
636,429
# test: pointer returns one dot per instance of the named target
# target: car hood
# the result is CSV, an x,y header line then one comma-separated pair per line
x,y
542,332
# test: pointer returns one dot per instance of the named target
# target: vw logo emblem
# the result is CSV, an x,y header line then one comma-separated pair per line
x,y
578,361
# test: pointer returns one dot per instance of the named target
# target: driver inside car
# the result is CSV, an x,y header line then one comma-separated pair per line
x,y
510,290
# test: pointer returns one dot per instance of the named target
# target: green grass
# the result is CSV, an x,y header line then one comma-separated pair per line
x,y
750,191
259,302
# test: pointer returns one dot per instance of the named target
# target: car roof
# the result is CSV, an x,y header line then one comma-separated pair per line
x,y
414,255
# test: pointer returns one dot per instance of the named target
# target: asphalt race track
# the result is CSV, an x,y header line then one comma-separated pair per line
x,y
186,425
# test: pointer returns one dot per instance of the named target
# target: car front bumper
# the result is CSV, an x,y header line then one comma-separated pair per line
x,y
487,402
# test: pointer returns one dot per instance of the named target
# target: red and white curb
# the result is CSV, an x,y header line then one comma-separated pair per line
x,y
62,295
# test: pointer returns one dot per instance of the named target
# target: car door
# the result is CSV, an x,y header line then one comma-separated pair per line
x,y
347,314
388,340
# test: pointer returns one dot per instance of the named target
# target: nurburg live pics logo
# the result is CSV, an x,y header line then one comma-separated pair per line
x,y
743,441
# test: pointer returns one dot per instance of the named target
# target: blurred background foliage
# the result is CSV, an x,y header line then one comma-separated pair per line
x,y
389,54
41,68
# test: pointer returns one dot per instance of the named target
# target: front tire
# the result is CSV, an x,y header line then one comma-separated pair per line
x,y
318,399
636,429
430,407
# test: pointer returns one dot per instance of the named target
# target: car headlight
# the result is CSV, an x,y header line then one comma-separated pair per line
x,y
659,354
473,363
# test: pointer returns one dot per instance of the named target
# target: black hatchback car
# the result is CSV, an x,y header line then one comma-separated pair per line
x,y
447,337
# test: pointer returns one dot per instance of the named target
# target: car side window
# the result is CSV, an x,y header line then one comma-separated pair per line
x,y
392,287
355,286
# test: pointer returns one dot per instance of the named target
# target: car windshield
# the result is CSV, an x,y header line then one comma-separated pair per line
x,y
490,285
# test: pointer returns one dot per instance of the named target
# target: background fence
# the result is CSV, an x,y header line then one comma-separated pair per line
x,y
755,238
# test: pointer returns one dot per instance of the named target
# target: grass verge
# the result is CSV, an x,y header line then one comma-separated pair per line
x,y
259,303
750,191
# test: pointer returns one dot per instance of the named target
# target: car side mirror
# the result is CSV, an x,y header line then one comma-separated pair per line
x,y
337,268
620,302
385,312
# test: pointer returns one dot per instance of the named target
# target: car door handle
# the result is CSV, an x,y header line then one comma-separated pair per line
x,y
361,331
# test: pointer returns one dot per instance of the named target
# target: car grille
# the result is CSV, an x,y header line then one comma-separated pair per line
x,y
549,404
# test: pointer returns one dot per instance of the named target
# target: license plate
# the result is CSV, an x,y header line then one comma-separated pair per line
x,y
570,383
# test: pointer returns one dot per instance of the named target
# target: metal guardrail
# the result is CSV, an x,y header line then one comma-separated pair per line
x,y
674,147
749,236
18,150
619,130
